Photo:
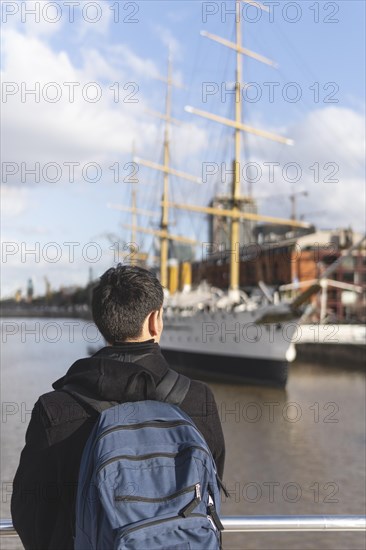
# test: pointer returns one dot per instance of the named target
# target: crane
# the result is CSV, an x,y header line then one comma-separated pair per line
x,y
292,197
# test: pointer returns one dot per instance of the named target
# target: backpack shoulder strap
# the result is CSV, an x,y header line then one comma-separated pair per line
x,y
173,388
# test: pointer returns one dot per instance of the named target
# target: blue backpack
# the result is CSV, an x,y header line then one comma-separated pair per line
x,y
147,479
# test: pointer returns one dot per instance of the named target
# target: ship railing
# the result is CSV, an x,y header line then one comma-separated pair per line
x,y
245,524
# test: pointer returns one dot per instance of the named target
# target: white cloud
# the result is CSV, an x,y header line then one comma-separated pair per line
x,y
100,12
13,201
98,68
65,130
330,143
169,41
333,134
74,130
33,18
126,60
44,19
189,140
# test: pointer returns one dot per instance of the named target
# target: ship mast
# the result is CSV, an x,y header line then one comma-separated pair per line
x,y
167,170
235,212
235,223
134,256
165,207
134,215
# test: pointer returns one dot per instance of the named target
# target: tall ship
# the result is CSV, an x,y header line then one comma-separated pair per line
x,y
209,332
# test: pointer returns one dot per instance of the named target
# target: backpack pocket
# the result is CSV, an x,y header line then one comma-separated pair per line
x,y
142,487
170,533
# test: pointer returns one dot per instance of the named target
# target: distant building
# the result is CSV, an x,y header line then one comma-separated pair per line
x,y
30,291
316,252
282,256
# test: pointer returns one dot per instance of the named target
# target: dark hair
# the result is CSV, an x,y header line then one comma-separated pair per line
x,y
123,298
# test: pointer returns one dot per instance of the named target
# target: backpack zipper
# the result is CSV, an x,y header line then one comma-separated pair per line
x,y
147,456
156,522
157,424
187,510
189,489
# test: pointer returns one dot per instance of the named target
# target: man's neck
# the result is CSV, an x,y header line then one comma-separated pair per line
x,y
133,342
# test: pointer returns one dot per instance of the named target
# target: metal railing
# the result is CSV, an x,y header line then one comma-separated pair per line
x,y
241,524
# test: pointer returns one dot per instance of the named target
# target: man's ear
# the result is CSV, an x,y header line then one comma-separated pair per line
x,y
154,321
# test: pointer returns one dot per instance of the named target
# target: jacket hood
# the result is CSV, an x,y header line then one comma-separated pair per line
x,y
114,370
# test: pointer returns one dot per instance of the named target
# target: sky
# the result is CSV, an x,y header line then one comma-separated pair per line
x,y
80,80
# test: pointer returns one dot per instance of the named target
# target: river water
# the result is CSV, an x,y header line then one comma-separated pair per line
x,y
294,451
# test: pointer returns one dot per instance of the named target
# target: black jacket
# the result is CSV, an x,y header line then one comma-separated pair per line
x,y
45,483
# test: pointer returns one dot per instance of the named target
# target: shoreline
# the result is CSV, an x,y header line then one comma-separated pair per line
x,y
34,312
